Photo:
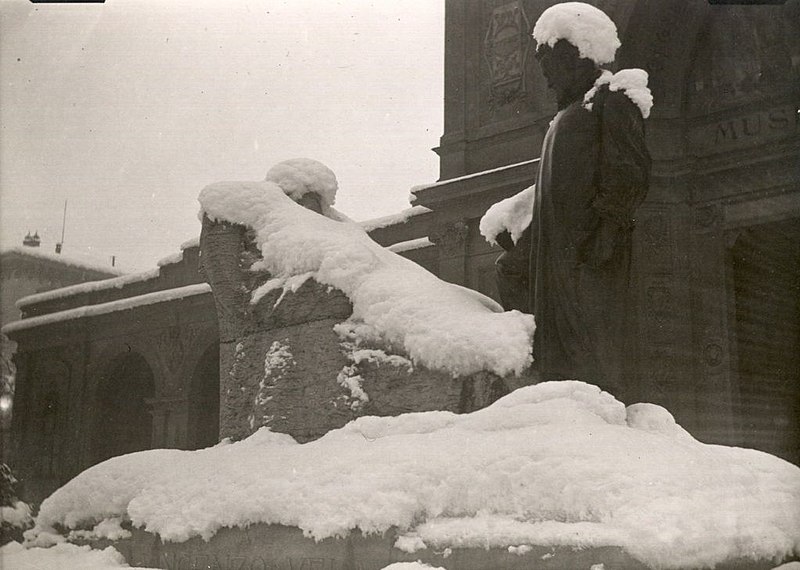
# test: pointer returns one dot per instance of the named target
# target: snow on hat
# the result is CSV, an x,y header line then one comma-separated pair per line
x,y
584,26
299,176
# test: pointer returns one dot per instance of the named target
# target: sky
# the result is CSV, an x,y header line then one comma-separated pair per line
x,y
127,109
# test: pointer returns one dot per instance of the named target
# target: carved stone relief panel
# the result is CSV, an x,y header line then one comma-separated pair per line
x,y
450,238
743,53
505,67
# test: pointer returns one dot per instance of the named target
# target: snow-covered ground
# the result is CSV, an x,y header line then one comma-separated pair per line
x,y
556,464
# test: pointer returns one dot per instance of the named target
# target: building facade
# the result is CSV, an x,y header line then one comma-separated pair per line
x,y
716,254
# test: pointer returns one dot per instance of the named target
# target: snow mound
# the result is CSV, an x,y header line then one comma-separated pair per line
x,y
299,176
584,26
559,463
632,82
411,566
513,215
60,556
396,302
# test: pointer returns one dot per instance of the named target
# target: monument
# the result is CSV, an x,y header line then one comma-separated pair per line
x,y
592,176
292,355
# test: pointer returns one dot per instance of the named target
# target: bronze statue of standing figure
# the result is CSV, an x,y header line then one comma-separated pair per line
x,y
593,174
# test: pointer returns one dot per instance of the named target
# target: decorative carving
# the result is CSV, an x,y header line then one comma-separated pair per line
x,y
505,50
450,238
173,346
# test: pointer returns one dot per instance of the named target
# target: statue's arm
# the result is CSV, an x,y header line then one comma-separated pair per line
x,y
624,172
624,160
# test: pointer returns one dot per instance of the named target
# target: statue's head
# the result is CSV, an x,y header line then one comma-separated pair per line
x,y
306,181
573,40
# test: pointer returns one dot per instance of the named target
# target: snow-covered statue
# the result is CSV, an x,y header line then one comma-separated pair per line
x,y
574,258
319,324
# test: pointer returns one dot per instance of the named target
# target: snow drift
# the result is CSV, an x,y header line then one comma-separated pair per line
x,y
559,463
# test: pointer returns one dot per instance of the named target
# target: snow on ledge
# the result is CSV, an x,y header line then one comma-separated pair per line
x,y
393,219
88,287
110,307
422,187
559,463
396,303
410,245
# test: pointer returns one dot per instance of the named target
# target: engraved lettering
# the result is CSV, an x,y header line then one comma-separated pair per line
x,y
726,132
752,125
778,119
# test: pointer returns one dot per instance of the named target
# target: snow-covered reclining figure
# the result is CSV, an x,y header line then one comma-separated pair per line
x,y
319,324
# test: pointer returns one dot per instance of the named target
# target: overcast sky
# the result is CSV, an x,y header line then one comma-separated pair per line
x,y
127,109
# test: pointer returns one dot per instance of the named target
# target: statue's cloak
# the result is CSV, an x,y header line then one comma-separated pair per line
x,y
593,174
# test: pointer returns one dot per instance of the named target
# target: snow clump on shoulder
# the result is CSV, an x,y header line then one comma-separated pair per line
x,y
632,82
584,26
299,176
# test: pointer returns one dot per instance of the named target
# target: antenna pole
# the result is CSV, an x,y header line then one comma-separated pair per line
x,y
64,222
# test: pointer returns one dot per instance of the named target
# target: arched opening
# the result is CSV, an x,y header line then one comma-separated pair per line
x,y
766,271
204,400
123,422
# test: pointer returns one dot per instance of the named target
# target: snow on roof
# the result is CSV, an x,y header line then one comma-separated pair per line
x,y
299,176
513,215
395,301
88,287
393,219
632,82
584,26
558,463
68,259
110,307
409,245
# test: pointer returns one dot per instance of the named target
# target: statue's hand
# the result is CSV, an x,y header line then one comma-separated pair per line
x,y
504,240
602,244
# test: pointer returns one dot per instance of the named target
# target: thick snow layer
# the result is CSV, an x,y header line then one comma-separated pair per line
x,y
586,27
513,215
395,302
61,557
299,176
110,307
18,515
632,82
559,463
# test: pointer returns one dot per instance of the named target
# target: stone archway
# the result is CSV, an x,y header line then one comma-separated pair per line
x,y
204,400
123,421
766,273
